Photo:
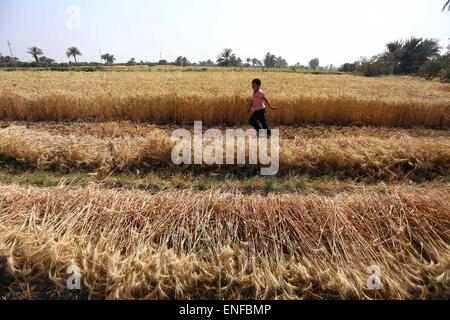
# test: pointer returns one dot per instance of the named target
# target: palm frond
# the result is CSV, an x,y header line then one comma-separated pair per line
x,y
446,6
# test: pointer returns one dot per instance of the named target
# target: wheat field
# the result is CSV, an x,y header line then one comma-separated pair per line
x,y
219,97
86,179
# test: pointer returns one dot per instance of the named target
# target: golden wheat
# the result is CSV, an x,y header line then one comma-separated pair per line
x,y
220,98
394,158
185,245
221,243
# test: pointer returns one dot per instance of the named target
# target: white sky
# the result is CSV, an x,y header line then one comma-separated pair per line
x,y
299,30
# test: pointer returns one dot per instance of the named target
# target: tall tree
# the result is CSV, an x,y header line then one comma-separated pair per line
x,y
269,60
256,62
182,61
73,52
405,57
109,58
226,58
35,52
314,63
280,62
393,54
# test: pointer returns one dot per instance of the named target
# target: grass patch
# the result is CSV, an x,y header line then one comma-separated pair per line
x,y
160,180
44,179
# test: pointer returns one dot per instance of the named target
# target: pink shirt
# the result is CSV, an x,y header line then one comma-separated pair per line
x,y
258,101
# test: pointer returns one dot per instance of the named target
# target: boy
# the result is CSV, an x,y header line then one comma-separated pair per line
x,y
258,107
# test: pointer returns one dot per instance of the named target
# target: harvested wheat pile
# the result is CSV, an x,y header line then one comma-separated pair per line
x,y
369,157
184,245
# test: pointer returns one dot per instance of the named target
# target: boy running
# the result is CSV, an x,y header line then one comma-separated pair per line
x,y
258,107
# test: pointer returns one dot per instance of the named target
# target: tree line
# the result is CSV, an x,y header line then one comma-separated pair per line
x,y
414,56
225,59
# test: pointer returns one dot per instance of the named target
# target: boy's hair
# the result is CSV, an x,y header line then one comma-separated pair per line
x,y
257,82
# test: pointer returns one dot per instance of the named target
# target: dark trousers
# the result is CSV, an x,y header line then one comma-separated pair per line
x,y
260,117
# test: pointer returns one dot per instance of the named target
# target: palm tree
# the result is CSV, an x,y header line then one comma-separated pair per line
x,y
394,47
109,58
35,52
446,6
226,58
407,56
393,54
73,52
430,48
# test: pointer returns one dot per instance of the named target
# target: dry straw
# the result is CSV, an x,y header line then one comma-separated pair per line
x,y
130,244
370,157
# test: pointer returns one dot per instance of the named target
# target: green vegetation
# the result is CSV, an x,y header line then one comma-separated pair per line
x,y
414,56
160,180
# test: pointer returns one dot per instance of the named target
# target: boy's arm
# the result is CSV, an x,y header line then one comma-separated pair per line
x,y
269,104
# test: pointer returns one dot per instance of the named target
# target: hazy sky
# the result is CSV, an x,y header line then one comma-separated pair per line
x,y
299,30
